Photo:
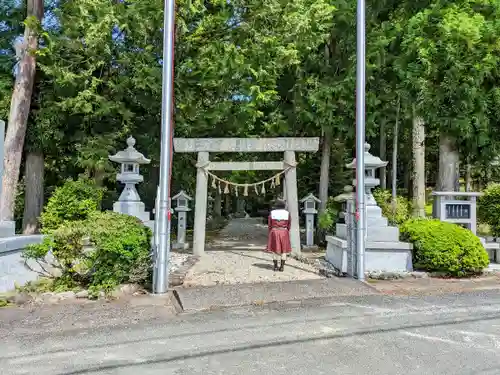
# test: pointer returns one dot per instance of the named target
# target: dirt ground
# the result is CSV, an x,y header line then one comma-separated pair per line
x,y
434,285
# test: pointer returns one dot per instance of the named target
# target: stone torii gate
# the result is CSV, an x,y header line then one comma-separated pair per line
x,y
204,146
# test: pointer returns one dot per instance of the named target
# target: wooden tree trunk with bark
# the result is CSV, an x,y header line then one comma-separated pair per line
x,y
324,177
468,178
418,141
218,205
449,162
394,174
19,111
33,197
383,155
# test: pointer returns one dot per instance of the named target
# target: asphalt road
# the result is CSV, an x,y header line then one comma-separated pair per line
x,y
454,334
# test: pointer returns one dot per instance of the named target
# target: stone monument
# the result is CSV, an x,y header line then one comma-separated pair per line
x,y
130,202
309,210
204,146
459,207
456,207
182,208
383,250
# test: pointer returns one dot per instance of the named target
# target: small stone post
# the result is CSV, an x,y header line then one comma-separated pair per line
x,y
310,210
130,202
182,209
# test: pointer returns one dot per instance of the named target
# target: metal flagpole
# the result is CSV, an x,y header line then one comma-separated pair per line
x,y
160,278
360,138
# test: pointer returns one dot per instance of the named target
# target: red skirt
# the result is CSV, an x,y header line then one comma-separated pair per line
x,y
278,241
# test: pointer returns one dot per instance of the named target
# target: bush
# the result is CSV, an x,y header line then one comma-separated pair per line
x,y
98,253
328,218
489,208
444,247
403,207
75,200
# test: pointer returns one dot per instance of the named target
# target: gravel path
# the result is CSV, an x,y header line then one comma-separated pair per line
x,y
237,257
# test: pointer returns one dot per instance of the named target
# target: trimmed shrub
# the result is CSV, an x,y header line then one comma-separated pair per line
x,y
98,253
444,247
73,201
489,208
328,218
403,207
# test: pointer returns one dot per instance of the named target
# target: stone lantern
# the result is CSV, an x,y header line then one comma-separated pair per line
x,y
383,250
347,194
372,163
182,208
130,202
343,198
309,211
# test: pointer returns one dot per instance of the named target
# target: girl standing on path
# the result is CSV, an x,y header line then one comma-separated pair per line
x,y
278,241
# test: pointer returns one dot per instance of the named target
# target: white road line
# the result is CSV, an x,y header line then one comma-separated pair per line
x,y
494,338
374,308
432,338
448,341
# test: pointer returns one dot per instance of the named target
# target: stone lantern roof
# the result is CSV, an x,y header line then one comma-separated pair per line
x,y
182,195
129,155
370,160
309,197
347,194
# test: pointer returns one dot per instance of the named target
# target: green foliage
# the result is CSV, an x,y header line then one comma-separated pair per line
x,y
489,208
444,247
75,200
98,253
252,69
328,218
397,214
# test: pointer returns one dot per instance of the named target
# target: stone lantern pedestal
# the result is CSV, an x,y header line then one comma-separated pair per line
x,y
383,250
182,208
130,202
342,199
310,211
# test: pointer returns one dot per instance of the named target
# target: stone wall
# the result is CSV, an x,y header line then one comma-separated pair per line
x,y
12,268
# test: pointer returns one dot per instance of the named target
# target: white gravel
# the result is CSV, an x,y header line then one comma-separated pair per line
x,y
237,257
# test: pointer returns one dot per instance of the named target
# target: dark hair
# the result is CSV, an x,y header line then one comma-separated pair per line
x,y
279,204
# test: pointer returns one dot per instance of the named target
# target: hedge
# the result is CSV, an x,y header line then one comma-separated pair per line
x,y
444,247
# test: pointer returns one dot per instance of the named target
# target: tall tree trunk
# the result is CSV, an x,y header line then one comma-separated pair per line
x,y
98,176
383,153
418,143
227,204
468,176
449,162
324,177
33,197
326,150
218,205
395,143
19,111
